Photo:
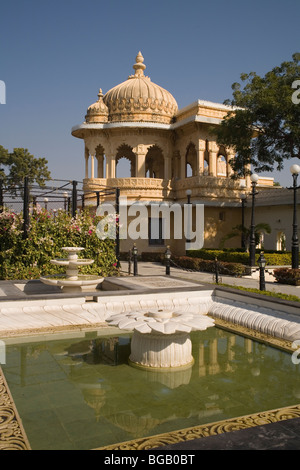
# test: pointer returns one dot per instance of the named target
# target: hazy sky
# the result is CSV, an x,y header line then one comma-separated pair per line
x,y
55,55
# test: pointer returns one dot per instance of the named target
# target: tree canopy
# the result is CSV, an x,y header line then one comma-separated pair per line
x,y
263,126
21,163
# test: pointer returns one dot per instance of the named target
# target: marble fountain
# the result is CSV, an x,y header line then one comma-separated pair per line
x,y
72,281
161,337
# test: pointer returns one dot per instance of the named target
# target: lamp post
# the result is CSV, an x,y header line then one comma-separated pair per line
x,y
295,170
189,222
46,202
262,265
135,252
252,244
168,258
243,197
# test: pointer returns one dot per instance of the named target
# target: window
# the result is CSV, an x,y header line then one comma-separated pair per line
x,y
155,231
281,241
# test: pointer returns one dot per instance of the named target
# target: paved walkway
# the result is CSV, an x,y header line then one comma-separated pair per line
x,y
252,282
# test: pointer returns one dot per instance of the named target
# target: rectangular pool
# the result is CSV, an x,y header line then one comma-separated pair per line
x,y
80,393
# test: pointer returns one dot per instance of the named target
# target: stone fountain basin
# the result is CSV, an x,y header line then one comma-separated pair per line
x,y
75,262
62,280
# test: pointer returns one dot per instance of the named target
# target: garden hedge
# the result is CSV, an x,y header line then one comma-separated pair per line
x,y
29,258
273,259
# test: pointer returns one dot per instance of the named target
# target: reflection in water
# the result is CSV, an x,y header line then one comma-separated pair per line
x,y
231,376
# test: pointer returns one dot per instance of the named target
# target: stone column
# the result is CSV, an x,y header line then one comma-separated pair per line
x,y
87,165
140,153
212,159
182,165
200,157
100,166
167,168
92,165
110,166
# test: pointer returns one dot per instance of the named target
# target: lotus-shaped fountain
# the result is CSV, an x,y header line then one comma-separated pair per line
x,y
161,338
72,281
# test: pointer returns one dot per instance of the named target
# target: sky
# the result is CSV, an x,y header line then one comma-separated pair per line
x,y
55,55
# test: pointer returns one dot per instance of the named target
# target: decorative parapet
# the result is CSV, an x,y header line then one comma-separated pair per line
x,y
208,187
131,187
202,186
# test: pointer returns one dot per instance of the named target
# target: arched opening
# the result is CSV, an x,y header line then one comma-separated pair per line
x,y
155,163
206,159
125,162
281,241
190,161
222,162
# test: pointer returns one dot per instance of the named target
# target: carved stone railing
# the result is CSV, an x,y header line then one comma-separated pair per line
x,y
132,187
202,186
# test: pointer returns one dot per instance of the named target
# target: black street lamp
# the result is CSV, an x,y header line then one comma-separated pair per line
x,y
135,252
252,244
295,170
262,266
168,260
189,222
243,197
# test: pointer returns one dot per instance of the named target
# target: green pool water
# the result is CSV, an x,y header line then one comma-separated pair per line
x,y
80,393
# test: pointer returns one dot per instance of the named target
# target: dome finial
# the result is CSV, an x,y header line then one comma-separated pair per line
x,y
139,67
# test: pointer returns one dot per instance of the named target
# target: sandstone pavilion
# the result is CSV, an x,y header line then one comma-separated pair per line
x,y
172,153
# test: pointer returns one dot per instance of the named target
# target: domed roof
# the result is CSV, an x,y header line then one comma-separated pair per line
x,y
139,99
97,112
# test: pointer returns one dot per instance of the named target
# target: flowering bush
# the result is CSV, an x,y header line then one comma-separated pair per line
x,y
287,276
29,258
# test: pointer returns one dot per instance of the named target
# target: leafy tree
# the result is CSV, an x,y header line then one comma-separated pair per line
x,y
3,161
264,126
239,230
21,163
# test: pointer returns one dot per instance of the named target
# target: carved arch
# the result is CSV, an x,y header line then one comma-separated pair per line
x,y
222,160
191,160
126,152
155,162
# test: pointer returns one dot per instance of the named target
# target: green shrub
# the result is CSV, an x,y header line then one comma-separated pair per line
x,y
287,276
196,264
272,259
153,257
29,258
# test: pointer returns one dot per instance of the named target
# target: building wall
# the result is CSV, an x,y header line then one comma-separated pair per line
x,y
280,219
217,223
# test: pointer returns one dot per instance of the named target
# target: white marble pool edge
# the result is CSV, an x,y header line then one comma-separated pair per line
x,y
267,316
